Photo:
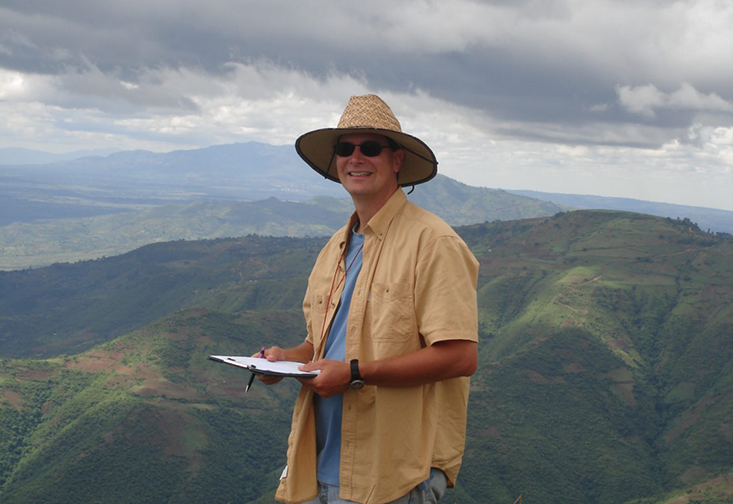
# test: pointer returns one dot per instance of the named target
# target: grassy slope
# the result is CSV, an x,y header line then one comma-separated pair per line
x,y
605,374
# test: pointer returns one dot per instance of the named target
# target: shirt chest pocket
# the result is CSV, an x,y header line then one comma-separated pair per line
x,y
391,311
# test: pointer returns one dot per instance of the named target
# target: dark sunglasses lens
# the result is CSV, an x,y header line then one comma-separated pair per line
x,y
371,148
344,149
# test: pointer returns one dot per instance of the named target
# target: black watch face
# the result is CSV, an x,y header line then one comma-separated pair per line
x,y
356,384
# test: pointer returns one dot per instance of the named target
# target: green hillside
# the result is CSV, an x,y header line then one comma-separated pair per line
x,y
147,418
605,368
607,357
68,308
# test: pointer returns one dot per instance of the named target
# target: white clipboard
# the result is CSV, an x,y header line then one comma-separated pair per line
x,y
262,366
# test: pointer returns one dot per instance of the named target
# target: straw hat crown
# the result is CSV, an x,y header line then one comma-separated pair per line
x,y
369,111
368,114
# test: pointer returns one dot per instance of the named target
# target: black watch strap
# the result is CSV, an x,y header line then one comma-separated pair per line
x,y
357,382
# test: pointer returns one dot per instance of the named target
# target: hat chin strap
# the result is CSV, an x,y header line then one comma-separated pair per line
x,y
412,186
417,154
330,162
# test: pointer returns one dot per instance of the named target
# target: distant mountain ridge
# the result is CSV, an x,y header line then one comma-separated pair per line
x,y
68,240
712,219
19,156
100,206
135,198
247,171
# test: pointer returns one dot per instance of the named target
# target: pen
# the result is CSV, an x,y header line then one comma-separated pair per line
x,y
252,378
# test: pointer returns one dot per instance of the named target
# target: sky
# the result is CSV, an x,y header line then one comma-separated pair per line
x,y
625,98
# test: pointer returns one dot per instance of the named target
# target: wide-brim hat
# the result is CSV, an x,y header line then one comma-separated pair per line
x,y
368,114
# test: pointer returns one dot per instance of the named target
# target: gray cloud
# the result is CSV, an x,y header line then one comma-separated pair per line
x,y
531,61
639,74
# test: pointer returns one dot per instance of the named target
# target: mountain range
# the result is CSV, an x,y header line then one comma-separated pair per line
x,y
19,156
94,206
605,371
101,206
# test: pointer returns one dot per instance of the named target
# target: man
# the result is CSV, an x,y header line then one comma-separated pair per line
x,y
392,326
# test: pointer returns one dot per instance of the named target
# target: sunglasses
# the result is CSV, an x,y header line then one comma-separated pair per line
x,y
370,148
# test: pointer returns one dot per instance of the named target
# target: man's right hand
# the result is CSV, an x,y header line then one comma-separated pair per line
x,y
272,354
301,353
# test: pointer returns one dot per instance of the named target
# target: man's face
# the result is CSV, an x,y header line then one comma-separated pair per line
x,y
369,177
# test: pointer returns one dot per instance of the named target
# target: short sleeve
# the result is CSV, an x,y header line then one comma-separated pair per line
x,y
445,291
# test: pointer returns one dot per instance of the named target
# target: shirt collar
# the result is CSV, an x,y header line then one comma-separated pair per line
x,y
379,224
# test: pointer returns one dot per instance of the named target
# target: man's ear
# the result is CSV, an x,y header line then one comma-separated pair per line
x,y
399,157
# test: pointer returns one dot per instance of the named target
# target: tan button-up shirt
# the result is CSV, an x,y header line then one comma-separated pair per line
x,y
417,286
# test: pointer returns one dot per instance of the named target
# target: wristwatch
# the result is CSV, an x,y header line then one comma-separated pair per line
x,y
357,382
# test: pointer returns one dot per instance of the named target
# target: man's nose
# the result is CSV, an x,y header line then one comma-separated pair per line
x,y
357,155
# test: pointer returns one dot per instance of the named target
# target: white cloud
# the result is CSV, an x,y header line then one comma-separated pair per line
x,y
641,99
674,173
688,97
644,100
11,84
170,107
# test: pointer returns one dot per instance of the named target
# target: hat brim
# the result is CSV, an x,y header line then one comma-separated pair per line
x,y
316,149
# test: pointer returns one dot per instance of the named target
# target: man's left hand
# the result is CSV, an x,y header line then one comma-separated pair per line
x,y
333,379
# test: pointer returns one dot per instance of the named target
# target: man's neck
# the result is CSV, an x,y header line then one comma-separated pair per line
x,y
367,208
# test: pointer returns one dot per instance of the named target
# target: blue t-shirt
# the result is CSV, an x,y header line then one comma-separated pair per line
x,y
328,410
